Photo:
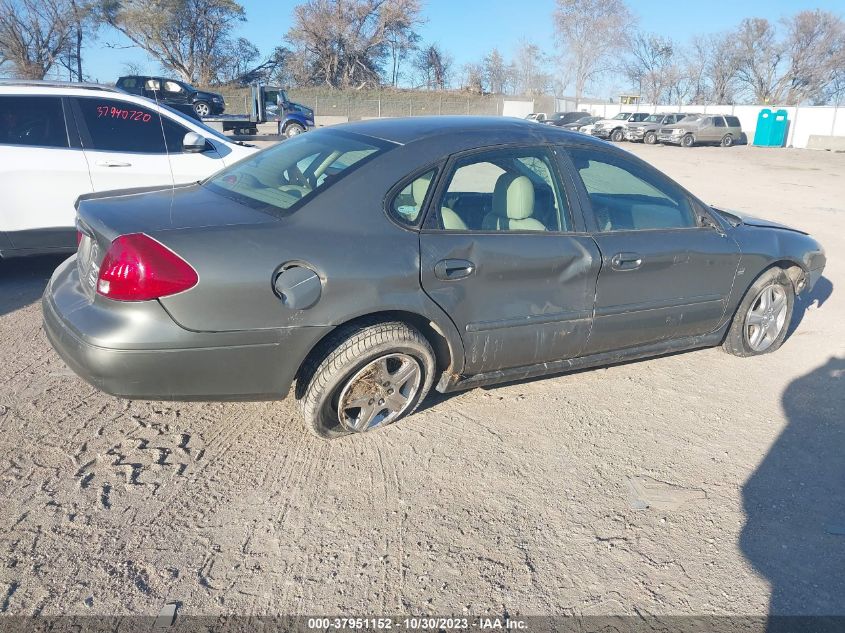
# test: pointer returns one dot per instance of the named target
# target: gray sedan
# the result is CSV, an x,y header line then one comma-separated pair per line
x,y
368,262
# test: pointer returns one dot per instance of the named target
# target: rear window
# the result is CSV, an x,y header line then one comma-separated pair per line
x,y
295,170
38,121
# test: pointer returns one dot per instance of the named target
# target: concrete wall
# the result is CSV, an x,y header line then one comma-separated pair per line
x,y
804,121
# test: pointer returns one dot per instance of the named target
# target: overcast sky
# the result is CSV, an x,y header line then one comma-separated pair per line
x,y
468,29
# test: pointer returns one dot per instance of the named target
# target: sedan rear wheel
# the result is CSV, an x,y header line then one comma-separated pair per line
x,y
365,377
762,320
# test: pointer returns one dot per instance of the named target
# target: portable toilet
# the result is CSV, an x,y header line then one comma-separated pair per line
x,y
771,128
763,131
777,135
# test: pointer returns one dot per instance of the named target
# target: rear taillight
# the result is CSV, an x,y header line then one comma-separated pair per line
x,y
138,268
78,238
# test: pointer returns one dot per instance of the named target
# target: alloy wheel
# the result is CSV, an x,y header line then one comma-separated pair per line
x,y
766,317
379,392
201,109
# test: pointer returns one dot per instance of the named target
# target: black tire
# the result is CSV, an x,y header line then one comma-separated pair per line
x,y
617,135
293,129
727,140
650,138
736,340
349,349
688,141
202,108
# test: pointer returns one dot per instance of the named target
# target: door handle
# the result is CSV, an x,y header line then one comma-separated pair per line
x,y
626,261
451,269
113,163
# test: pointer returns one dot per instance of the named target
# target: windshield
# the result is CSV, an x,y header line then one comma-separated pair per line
x,y
622,115
653,118
296,169
690,118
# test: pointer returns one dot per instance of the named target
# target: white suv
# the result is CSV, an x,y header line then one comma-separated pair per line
x,y
61,140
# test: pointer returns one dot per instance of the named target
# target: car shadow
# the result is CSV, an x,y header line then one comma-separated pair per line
x,y
818,295
794,502
22,280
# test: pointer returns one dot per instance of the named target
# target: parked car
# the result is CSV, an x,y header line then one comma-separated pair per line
x,y
646,131
563,118
173,92
578,125
705,129
614,129
540,117
59,141
373,260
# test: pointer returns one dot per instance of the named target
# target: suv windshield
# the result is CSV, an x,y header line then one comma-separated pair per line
x,y
621,115
653,118
295,170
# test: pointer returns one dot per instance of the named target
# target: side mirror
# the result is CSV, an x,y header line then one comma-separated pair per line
x,y
194,143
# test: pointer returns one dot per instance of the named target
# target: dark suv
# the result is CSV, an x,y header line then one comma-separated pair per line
x,y
174,93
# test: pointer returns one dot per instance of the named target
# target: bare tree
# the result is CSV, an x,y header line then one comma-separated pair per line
x,y
759,56
722,67
815,52
650,66
33,34
591,33
188,37
345,43
86,22
434,67
472,79
531,76
495,72
401,19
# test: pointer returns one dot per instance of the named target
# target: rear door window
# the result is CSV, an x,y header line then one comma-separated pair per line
x,y
37,121
121,126
503,190
718,121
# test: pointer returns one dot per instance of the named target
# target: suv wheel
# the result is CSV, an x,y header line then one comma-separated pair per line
x,y
201,108
727,140
617,135
293,129
688,141
650,138
762,320
365,377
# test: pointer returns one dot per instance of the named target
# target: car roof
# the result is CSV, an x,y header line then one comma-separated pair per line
x,y
411,129
42,83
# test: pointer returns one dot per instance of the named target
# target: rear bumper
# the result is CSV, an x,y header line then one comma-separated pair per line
x,y
135,350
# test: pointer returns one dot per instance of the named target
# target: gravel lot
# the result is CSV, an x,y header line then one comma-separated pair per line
x,y
695,483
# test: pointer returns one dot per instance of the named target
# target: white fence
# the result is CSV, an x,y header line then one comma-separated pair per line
x,y
803,120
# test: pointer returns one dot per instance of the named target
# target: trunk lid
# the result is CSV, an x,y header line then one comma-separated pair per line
x,y
101,217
